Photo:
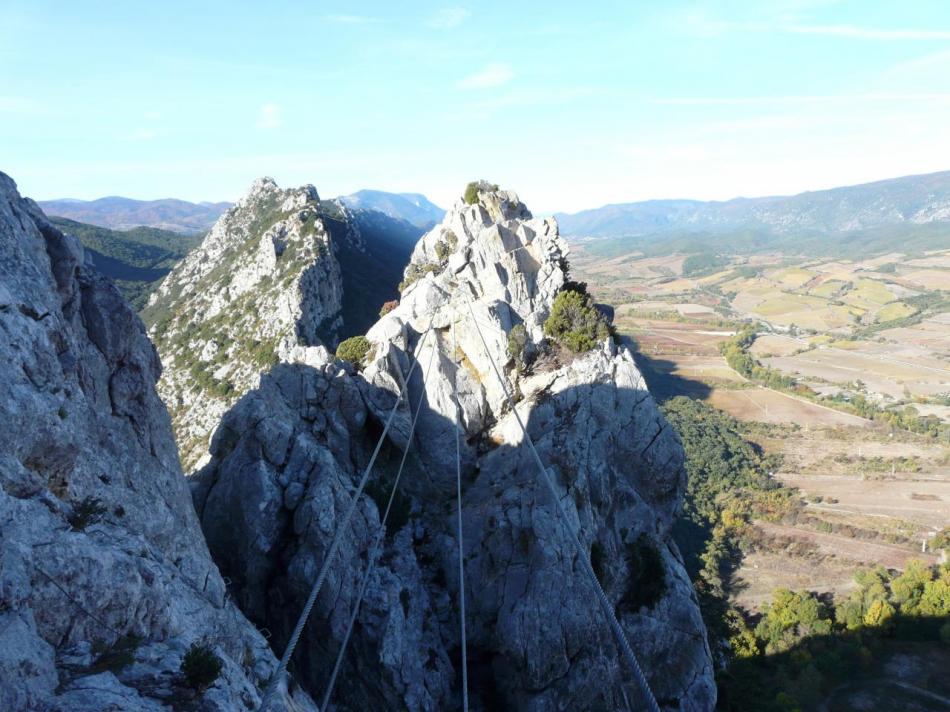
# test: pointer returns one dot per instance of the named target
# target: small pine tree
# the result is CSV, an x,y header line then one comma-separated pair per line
x,y
575,322
517,341
471,193
200,666
353,350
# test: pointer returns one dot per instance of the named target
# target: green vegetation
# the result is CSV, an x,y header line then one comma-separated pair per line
x,y
941,540
913,238
472,189
137,259
444,248
354,350
736,353
728,484
116,657
88,510
923,305
201,666
517,341
703,263
415,272
804,647
575,322
200,372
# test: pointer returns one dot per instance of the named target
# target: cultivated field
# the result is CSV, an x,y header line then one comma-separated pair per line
x,y
876,328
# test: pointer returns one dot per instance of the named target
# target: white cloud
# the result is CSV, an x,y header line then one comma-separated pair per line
x,y
449,17
268,117
492,75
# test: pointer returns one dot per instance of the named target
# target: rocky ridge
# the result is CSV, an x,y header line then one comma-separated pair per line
x,y
263,287
105,579
286,458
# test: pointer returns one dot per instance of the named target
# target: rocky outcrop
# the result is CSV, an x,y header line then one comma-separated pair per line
x,y
105,579
263,285
275,281
286,459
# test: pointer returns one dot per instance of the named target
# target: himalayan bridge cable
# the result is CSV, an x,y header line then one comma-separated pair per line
x,y
338,536
377,542
458,490
582,554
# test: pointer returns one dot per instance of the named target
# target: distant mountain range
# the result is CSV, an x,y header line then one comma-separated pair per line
x,y
182,216
120,213
411,207
908,201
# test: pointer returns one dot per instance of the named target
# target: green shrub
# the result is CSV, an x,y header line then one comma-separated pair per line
x,y
85,512
517,341
117,657
353,349
415,272
263,353
575,322
471,193
703,263
200,666
472,189
444,248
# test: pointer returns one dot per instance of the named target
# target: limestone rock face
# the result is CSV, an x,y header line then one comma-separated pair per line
x,y
287,457
262,287
105,579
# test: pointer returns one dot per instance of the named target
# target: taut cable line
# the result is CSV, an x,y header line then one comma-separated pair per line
x,y
338,537
377,543
458,491
582,554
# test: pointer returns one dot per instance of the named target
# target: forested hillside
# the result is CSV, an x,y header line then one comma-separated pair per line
x,y
137,259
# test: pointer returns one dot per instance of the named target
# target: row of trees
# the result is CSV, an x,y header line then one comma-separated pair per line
x,y
804,647
728,485
737,355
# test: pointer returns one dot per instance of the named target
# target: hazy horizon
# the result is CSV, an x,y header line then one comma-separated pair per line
x,y
448,205
621,104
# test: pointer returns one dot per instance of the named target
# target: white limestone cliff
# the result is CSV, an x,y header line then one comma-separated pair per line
x,y
105,578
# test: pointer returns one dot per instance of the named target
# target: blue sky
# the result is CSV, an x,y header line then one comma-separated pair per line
x,y
572,104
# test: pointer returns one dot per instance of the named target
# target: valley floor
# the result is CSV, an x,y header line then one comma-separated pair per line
x,y
871,492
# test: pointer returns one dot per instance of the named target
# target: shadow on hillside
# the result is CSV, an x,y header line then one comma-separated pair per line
x,y
876,670
661,379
